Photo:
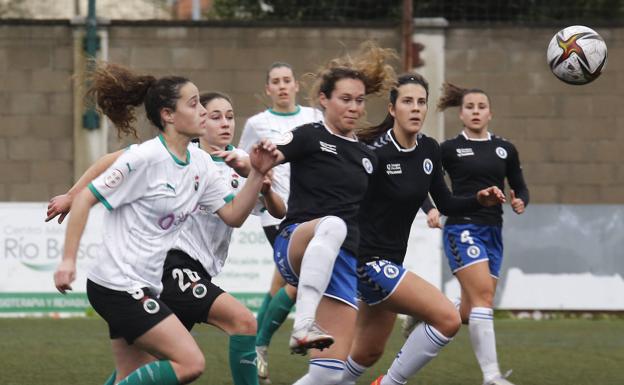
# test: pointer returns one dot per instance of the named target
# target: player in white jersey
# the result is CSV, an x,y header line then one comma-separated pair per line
x,y
150,191
284,115
202,248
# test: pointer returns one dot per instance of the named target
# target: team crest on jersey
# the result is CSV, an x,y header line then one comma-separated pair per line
x,y
368,166
286,138
428,166
473,251
391,271
234,183
196,185
113,178
501,152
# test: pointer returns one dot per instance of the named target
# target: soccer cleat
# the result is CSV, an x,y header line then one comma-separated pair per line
x,y
500,380
378,380
310,336
262,362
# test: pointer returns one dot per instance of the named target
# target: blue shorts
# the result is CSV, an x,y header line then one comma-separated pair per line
x,y
378,279
343,283
468,244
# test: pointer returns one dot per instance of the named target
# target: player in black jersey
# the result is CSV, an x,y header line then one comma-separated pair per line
x,y
409,169
474,159
318,241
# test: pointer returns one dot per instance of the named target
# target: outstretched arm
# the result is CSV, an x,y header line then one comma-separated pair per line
x,y
66,271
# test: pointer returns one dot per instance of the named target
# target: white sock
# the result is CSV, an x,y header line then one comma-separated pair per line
x,y
481,327
323,371
317,265
421,346
352,372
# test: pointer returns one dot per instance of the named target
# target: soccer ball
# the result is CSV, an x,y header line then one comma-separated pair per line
x,y
577,55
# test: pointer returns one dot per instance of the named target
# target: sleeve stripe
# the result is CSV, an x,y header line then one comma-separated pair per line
x,y
100,197
229,198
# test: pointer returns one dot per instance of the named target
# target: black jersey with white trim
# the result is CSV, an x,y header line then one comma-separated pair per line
x,y
329,176
403,181
473,165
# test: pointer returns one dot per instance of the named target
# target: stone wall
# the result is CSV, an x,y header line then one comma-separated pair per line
x,y
569,137
36,117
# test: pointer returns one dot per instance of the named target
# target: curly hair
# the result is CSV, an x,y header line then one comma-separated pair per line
x,y
369,65
117,91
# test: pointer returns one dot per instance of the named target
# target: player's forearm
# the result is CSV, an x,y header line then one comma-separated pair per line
x,y
77,222
235,212
274,204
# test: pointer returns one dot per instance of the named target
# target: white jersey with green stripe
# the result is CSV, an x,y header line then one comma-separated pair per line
x,y
273,125
150,193
205,237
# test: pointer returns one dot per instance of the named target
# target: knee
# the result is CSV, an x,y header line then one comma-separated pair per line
x,y
332,227
192,368
448,322
245,324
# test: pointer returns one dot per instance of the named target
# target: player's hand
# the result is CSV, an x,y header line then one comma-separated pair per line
x,y
263,156
63,277
267,181
517,204
433,219
490,196
59,205
234,159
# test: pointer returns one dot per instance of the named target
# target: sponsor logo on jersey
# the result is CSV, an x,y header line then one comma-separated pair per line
x,y
393,169
464,152
326,147
172,219
196,185
473,251
368,166
113,178
428,166
501,152
286,138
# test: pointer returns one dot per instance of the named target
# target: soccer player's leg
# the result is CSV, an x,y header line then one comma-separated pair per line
x,y
311,254
326,366
238,322
372,331
441,321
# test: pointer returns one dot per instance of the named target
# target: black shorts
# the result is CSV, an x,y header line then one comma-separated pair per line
x,y
129,315
187,288
271,233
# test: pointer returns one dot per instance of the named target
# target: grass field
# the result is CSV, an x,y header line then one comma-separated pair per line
x,y
553,352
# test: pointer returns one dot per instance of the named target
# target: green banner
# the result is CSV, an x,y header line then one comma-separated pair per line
x,y
79,303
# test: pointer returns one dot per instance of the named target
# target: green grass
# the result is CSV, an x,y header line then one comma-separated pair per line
x,y
554,352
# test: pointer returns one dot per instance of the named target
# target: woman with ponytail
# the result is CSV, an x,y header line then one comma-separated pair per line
x,y
409,169
150,190
473,244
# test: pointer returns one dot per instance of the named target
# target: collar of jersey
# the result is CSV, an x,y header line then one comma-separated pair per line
x,y
175,158
340,136
477,140
295,112
398,146
229,147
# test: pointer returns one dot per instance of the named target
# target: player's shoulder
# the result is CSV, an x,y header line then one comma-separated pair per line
x,y
258,118
502,142
427,141
150,151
